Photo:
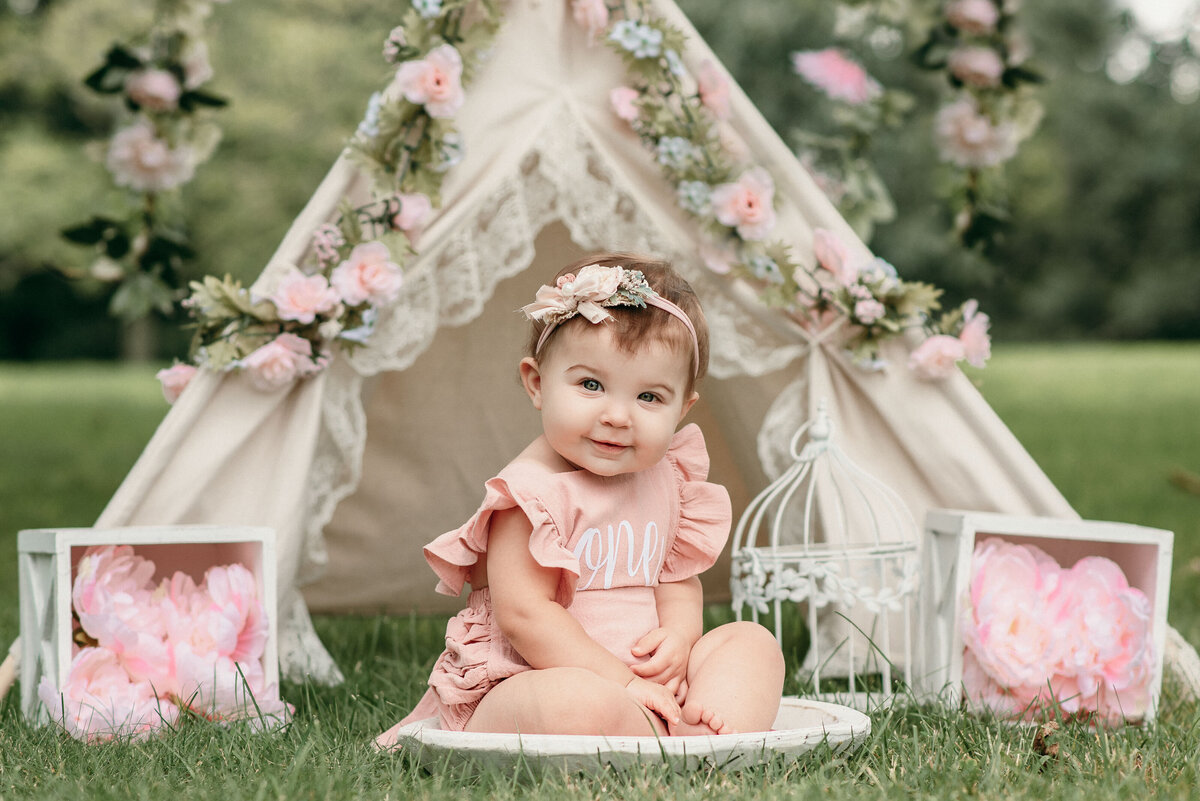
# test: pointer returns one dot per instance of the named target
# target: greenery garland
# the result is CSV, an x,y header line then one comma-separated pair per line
x,y
159,75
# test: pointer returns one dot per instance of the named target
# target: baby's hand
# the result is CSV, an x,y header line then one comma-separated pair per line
x,y
668,665
656,698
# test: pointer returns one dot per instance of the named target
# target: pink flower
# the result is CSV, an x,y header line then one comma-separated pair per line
x,y
279,362
434,82
836,75
976,65
591,15
969,139
583,294
99,702
868,311
1005,624
140,160
1104,626
233,592
747,204
623,101
935,358
415,210
302,297
977,345
714,90
153,89
977,17
175,379
368,275
833,255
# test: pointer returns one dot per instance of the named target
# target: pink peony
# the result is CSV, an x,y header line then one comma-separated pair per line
x,y
174,380
833,255
368,275
233,592
747,204
714,90
976,65
302,297
1104,626
591,15
977,345
977,17
154,89
415,210
935,357
1005,624
434,82
835,74
99,702
869,311
137,158
623,100
279,362
969,139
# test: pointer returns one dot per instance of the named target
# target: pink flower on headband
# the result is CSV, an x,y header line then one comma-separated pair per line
x,y
582,294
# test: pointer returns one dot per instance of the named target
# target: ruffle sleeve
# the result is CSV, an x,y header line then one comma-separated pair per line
x,y
453,554
705,513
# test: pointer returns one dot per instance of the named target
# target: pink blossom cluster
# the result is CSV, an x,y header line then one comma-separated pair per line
x,y
937,356
1040,638
161,649
139,159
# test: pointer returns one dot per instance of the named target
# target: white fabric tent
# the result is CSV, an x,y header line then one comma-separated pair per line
x,y
359,466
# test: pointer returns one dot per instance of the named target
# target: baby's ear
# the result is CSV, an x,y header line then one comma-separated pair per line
x,y
531,379
688,404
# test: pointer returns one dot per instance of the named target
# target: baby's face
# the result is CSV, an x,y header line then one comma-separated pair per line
x,y
607,411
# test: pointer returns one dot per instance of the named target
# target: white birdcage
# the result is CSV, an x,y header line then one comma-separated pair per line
x,y
829,536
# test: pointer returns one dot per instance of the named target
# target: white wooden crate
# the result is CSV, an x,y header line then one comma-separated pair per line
x,y
1143,554
47,560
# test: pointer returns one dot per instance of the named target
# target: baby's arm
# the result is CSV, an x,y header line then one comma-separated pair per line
x,y
539,628
680,624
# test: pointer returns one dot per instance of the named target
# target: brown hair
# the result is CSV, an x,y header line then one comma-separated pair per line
x,y
631,325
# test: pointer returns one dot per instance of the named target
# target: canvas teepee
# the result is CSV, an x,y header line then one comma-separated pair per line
x,y
361,464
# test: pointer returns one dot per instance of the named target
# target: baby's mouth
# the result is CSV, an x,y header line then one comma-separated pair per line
x,y
612,447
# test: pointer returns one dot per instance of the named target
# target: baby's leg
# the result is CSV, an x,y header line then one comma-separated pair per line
x,y
735,680
563,700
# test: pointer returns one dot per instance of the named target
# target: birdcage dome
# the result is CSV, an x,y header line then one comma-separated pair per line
x,y
830,536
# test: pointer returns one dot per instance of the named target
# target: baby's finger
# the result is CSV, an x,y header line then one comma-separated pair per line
x,y
649,642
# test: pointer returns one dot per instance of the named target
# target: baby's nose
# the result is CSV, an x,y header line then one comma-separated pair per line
x,y
616,413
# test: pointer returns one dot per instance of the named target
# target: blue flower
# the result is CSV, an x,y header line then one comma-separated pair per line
x,y
695,196
641,40
675,64
450,152
428,8
369,127
675,152
361,334
765,268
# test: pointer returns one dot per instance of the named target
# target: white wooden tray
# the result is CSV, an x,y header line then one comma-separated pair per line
x,y
801,726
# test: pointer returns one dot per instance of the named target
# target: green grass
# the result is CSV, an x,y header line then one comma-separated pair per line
x,y
1108,423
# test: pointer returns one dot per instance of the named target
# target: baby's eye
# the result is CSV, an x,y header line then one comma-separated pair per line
x,y
590,384
648,397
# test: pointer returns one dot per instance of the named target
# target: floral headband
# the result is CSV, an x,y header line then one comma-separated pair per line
x,y
588,293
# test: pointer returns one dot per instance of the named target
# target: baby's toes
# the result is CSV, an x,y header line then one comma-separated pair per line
x,y
715,722
692,713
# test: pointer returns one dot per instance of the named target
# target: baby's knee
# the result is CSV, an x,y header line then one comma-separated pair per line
x,y
757,643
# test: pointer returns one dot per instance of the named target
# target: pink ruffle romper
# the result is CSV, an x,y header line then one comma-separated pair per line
x,y
614,539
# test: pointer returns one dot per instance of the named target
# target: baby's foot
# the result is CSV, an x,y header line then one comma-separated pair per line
x,y
699,720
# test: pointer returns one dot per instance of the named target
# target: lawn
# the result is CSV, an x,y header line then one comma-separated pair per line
x,y
1110,425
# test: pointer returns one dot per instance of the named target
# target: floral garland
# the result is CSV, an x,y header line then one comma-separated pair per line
x,y
984,55
682,120
159,75
407,141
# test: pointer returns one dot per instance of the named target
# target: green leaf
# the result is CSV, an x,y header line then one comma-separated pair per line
x,y
917,298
